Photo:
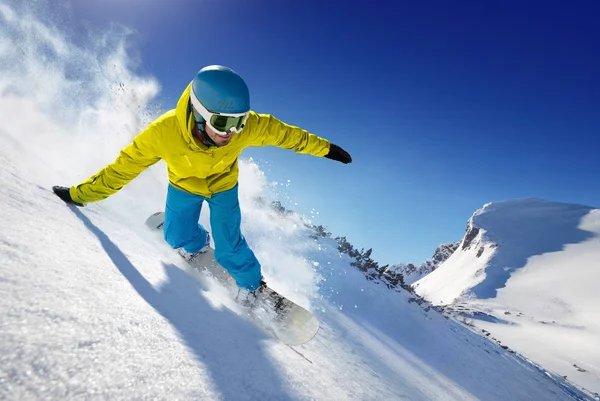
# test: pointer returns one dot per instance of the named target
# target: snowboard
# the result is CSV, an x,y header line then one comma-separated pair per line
x,y
284,319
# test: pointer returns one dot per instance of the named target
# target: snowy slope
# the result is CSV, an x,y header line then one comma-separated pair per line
x,y
94,306
532,268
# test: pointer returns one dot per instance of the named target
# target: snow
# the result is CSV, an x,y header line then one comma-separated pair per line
x,y
536,280
93,305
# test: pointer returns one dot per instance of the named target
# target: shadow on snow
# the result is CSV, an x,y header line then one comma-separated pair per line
x,y
226,345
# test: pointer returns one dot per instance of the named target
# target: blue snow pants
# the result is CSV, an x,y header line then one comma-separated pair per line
x,y
182,230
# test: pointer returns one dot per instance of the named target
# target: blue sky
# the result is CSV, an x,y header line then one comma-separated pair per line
x,y
444,105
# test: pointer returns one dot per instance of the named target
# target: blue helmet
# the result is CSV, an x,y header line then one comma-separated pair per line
x,y
221,90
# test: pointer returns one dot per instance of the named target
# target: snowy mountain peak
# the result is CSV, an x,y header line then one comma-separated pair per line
x,y
534,260
501,237
516,219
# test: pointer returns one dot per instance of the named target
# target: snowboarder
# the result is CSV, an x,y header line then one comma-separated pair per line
x,y
200,141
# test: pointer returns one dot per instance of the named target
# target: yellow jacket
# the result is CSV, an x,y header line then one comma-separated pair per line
x,y
192,166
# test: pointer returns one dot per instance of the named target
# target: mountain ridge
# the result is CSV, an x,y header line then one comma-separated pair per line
x,y
525,271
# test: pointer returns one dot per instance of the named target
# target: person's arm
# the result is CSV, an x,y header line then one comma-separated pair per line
x,y
268,130
133,159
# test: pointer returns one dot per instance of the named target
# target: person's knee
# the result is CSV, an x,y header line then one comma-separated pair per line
x,y
230,240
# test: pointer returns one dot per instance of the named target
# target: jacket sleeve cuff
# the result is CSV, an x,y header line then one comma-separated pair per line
x,y
324,149
75,195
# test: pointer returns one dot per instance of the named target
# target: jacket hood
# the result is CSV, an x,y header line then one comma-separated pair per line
x,y
185,118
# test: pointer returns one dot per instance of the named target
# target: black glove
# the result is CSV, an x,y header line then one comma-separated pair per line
x,y
63,193
339,154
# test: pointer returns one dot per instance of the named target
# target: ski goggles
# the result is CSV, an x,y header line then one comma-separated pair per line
x,y
222,123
